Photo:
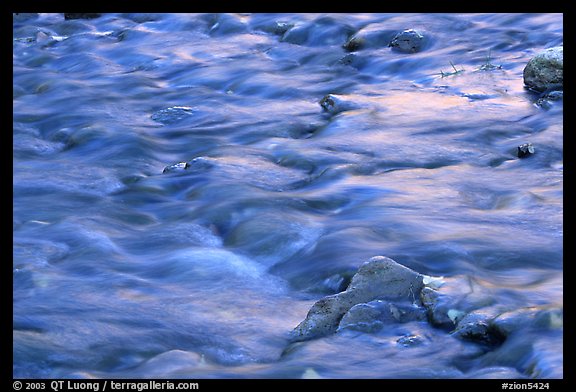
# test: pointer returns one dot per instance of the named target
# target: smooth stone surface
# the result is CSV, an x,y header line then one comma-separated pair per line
x,y
545,70
378,278
372,316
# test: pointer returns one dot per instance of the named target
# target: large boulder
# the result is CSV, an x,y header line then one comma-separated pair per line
x,y
378,278
545,71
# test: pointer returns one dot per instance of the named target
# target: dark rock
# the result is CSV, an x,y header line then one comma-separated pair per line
x,y
81,16
545,71
378,278
476,327
408,41
525,150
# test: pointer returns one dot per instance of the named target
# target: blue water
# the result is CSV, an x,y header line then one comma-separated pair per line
x,y
121,270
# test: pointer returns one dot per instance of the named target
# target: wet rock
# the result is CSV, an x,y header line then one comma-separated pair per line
x,y
545,71
525,150
410,340
363,317
448,300
476,327
379,278
177,167
196,164
172,114
547,99
335,104
408,41
81,16
372,316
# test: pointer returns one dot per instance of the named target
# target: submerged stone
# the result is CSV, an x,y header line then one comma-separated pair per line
x,y
177,167
545,71
172,114
335,104
525,150
378,278
410,340
408,41
448,302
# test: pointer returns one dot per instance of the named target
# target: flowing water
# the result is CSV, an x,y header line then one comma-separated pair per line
x,y
121,270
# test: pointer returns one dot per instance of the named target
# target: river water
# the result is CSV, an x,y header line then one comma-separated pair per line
x,y
121,270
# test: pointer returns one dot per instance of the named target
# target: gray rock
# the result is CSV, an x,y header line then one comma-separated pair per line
x,y
525,150
408,41
379,278
476,327
196,164
545,71
363,317
372,316
453,299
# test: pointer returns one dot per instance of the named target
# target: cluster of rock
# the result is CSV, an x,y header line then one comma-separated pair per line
x,y
407,41
384,292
